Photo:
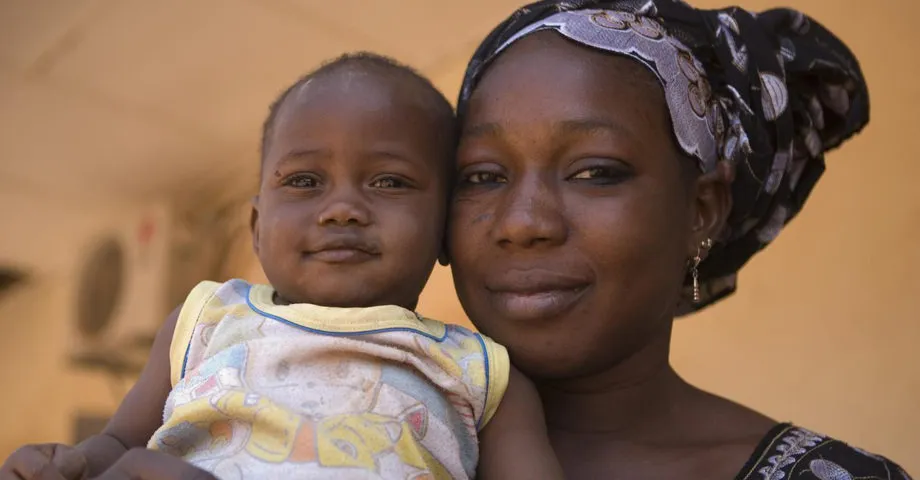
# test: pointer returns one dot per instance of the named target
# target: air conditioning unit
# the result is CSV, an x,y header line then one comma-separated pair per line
x,y
137,272
122,292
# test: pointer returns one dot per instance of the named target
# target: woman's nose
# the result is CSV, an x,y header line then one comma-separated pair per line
x,y
530,216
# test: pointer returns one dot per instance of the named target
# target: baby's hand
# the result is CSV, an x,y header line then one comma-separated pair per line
x,y
47,461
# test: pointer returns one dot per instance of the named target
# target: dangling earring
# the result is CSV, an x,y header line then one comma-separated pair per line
x,y
705,245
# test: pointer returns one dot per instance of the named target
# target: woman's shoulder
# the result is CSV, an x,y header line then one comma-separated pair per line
x,y
792,452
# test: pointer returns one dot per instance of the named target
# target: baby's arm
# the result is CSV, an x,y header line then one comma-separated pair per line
x,y
514,444
141,412
135,421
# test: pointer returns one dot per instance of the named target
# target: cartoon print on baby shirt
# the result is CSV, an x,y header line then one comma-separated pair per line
x,y
313,380
192,399
386,445
460,356
366,440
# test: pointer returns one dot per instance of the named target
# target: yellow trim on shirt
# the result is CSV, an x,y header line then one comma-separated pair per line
x,y
344,320
185,326
499,370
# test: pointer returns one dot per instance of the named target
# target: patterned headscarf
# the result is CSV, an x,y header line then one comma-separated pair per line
x,y
768,92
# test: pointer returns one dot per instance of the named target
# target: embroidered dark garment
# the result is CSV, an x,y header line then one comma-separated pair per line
x,y
768,92
789,452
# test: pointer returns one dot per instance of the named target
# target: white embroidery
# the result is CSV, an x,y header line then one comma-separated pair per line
x,y
795,444
827,470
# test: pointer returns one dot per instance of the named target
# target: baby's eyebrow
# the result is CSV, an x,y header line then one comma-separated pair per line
x,y
304,153
388,154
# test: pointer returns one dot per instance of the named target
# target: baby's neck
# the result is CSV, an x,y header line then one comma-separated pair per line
x,y
279,300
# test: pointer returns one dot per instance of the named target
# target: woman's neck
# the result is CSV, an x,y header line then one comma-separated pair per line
x,y
633,399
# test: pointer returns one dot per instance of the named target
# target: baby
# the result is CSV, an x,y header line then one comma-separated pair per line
x,y
328,372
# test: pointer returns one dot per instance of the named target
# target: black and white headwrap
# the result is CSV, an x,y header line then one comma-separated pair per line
x,y
769,93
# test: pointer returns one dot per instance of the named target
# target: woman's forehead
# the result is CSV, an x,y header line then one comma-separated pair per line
x,y
547,79
551,50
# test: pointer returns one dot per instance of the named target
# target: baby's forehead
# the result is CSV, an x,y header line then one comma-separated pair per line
x,y
348,79
343,79
380,89
411,102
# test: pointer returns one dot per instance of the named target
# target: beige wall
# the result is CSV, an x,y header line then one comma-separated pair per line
x,y
822,332
40,394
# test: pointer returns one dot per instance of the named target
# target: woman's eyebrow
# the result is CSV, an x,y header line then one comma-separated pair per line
x,y
591,125
488,129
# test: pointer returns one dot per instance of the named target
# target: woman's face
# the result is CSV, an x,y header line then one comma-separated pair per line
x,y
573,220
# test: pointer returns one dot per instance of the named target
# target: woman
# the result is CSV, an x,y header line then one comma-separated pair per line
x,y
620,161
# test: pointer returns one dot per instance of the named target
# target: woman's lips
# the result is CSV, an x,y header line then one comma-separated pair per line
x,y
536,294
536,305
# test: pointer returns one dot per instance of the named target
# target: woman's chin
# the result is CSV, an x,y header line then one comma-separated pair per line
x,y
551,362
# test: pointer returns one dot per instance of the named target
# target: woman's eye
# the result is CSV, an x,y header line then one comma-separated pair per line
x,y
389,182
600,175
478,178
592,173
301,181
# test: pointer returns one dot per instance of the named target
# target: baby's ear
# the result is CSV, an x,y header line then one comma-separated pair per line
x,y
254,223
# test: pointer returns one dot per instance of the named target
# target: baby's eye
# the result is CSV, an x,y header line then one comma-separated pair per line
x,y
389,182
301,181
478,178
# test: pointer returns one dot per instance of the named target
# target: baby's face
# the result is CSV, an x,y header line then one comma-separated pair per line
x,y
352,204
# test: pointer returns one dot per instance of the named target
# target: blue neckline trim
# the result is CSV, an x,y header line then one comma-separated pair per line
x,y
340,334
485,364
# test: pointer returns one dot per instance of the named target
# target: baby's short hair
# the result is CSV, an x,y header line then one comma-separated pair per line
x,y
431,97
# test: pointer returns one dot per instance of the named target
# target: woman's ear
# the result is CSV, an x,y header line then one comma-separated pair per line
x,y
254,224
712,201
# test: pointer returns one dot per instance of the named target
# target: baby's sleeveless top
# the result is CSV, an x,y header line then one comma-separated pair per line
x,y
303,391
